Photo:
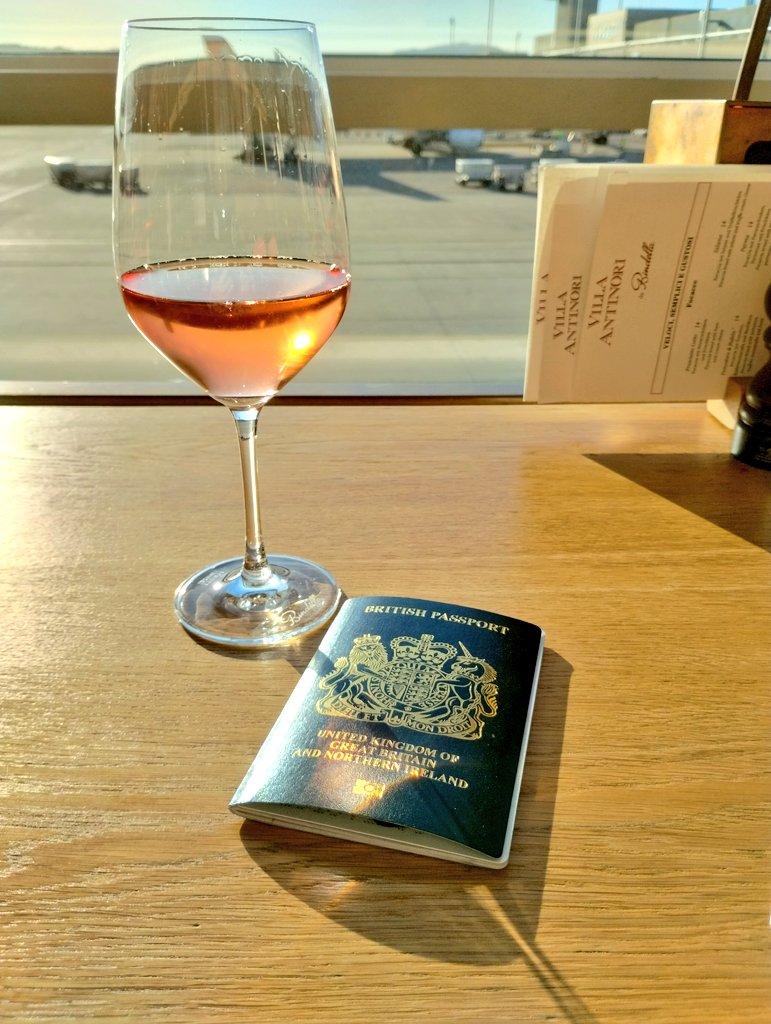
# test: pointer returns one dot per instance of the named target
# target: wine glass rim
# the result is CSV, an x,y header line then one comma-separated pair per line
x,y
219,22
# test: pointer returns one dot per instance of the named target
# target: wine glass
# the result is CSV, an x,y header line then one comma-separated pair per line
x,y
231,251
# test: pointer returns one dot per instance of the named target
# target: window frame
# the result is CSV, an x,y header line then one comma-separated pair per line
x,y
494,93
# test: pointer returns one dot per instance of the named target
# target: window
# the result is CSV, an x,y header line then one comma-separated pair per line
x,y
441,271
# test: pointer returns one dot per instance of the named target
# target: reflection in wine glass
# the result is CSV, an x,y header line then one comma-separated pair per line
x,y
231,250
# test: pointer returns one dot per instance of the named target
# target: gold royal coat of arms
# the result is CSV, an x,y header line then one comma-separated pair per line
x,y
426,685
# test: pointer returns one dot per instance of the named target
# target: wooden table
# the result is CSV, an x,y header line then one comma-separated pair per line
x,y
638,884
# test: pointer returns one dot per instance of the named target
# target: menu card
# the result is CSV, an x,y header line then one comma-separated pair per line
x,y
648,282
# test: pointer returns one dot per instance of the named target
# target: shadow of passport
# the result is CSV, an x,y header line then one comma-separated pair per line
x,y
428,907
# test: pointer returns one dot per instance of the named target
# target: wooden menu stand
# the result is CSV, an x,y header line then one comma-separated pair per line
x,y
735,131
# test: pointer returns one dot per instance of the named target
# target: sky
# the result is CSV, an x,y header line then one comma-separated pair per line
x,y
344,26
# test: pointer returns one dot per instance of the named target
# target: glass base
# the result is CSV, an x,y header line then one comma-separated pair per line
x,y
219,605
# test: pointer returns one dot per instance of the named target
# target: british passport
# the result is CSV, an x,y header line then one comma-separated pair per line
x,y
408,729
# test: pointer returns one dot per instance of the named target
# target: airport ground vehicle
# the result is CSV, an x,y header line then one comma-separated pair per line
x,y
487,173
79,174
474,171
95,175
508,177
530,177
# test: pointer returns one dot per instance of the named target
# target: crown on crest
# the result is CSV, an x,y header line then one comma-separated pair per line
x,y
426,649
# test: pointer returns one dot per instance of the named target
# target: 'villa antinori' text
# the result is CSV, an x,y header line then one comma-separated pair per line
x,y
603,306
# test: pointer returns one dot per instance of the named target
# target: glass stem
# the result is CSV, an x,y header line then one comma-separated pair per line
x,y
256,571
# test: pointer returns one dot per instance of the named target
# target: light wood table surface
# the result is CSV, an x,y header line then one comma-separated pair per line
x,y
638,885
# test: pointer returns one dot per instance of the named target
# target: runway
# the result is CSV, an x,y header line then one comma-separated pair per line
x,y
439,301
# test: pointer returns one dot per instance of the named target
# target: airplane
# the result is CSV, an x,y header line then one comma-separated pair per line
x,y
453,142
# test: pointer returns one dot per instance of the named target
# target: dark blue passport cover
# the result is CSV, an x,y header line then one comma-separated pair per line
x,y
408,729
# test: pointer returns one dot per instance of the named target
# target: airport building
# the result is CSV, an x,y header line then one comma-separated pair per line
x,y
580,29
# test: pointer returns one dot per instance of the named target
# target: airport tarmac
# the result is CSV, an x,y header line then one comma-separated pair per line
x,y
439,300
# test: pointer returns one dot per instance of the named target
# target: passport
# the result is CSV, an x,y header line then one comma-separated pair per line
x,y
408,729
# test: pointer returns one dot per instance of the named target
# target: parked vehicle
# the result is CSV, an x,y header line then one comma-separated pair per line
x,y
95,175
486,173
530,177
508,176
474,171
79,174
